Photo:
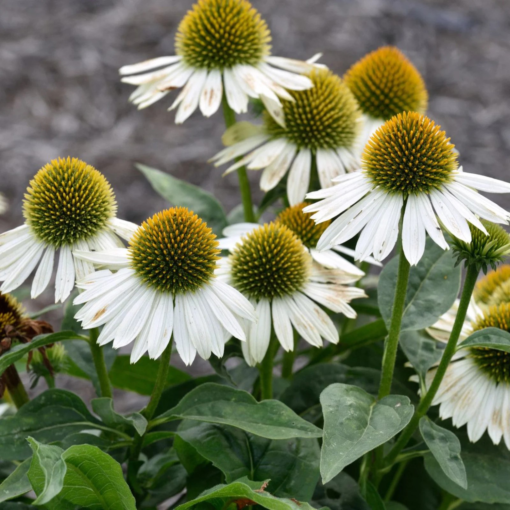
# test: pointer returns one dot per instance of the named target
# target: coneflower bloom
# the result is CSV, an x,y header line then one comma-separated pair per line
x,y
271,267
69,205
222,47
163,285
409,169
385,83
322,128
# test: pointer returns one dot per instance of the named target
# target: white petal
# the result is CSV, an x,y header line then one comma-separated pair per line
x,y
329,166
82,268
114,259
43,274
234,300
275,109
185,348
413,231
239,229
289,64
286,79
260,331
428,217
483,183
139,348
16,249
238,149
265,155
273,174
253,82
303,325
387,234
102,286
124,229
210,98
316,315
149,64
347,251
64,282
161,327
15,233
236,97
282,324
451,218
20,271
463,210
189,97
299,177
332,260
334,297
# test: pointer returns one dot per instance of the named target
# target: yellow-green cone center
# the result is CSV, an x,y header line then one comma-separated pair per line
x,y
270,262
11,312
323,117
409,154
302,225
385,83
219,34
68,201
494,363
174,251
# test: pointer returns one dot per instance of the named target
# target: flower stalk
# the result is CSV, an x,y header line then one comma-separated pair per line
x,y
100,365
15,387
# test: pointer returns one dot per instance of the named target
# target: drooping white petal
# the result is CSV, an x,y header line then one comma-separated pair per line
x,y
463,210
428,217
302,323
210,98
15,233
234,300
299,177
316,315
331,260
114,259
260,331
451,218
236,97
274,108
82,268
140,67
20,271
190,96
238,149
282,324
286,79
64,282
348,251
124,229
161,327
265,155
334,297
413,231
289,64
274,173
16,249
196,326
482,182
329,166
183,343
102,286
386,236
43,274
253,82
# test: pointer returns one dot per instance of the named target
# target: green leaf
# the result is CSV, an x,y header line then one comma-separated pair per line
x,y
51,416
490,338
92,479
433,286
20,350
291,465
214,403
303,395
355,423
422,351
445,446
103,407
487,468
17,483
182,194
140,377
244,489
47,460
341,493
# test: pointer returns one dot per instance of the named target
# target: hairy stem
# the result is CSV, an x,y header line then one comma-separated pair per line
x,y
244,183
15,387
266,370
100,365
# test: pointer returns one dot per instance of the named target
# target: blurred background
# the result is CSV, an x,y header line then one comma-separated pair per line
x,y
60,92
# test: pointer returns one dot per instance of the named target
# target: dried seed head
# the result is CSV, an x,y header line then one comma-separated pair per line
x,y
68,201
174,251
325,116
219,34
11,312
386,83
409,154
270,262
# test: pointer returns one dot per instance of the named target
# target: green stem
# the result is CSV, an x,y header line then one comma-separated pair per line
x,y
395,481
391,344
289,358
266,370
244,183
451,346
15,387
99,363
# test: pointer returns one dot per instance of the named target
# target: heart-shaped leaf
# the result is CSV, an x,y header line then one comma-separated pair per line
x,y
103,407
356,423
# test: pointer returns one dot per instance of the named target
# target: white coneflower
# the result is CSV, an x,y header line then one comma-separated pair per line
x,y
408,165
4,205
68,205
385,83
308,232
164,285
222,46
475,390
322,128
271,267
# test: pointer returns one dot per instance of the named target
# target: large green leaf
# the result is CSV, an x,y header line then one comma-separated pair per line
x,y
303,395
356,423
183,194
52,416
445,446
487,468
140,377
20,350
292,465
92,479
214,403
433,286
422,351
103,407
490,338
341,493
17,483
244,491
